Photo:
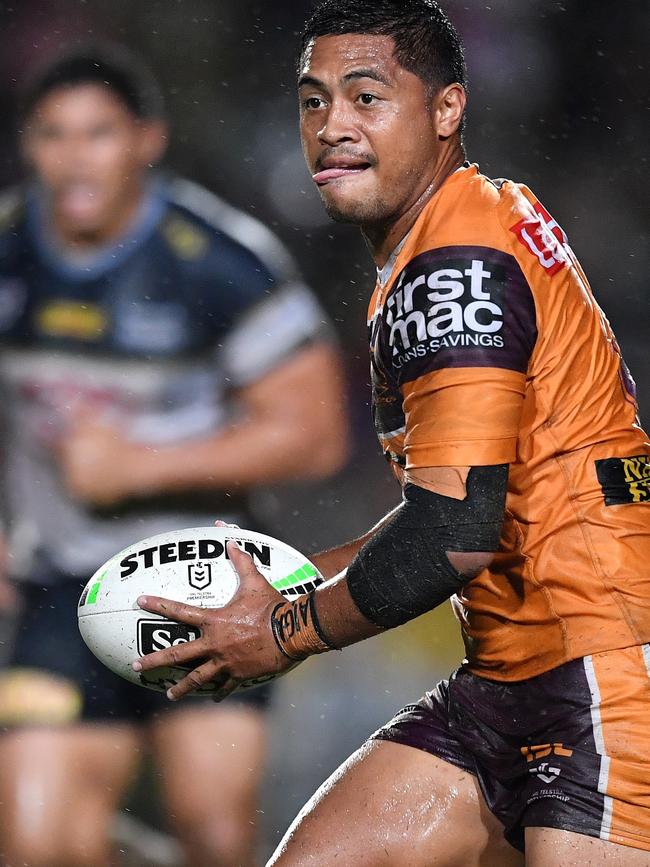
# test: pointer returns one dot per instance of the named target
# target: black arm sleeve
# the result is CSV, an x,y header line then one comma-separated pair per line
x,y
403,571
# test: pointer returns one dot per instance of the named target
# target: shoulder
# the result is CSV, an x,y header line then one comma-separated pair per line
x,y
244,273
198,223
512,219
498,223
473,209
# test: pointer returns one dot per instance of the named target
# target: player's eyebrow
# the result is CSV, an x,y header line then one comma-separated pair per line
x,y
347,78
311,80
366,73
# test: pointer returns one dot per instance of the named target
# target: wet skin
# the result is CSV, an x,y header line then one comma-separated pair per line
x,y
378,143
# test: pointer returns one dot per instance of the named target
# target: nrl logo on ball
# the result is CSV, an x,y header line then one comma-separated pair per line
x,y
199,575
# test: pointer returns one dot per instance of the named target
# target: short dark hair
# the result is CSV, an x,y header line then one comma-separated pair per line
x,y
112,66
426,42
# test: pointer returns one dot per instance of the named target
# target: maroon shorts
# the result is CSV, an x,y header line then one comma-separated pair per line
x,y
568,749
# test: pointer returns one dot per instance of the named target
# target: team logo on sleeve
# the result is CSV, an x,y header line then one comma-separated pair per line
x,y
624,480
458,307
542,236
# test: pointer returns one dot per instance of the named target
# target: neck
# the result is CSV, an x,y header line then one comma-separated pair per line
x,y
382,238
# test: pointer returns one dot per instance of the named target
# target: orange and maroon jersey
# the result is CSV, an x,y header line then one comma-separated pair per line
x,y
487,347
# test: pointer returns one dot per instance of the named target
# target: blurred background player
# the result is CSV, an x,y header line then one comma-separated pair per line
x,y
160,357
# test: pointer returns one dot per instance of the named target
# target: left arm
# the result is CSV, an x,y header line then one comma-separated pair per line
x,y
292,426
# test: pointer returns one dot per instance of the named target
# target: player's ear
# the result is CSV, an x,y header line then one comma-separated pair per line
x,y
153,141
448,108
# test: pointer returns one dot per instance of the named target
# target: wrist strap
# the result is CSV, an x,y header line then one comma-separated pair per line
x,y
296,628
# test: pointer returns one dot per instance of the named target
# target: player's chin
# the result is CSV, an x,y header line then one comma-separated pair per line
x,y
86,222
351,207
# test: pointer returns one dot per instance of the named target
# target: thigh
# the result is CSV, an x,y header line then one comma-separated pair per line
x,y
392,805
548,847
60,785
210,760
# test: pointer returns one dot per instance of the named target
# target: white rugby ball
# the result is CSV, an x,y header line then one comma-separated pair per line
x,y
186,566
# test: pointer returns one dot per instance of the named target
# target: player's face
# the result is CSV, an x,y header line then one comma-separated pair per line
x,y
368,128
90,153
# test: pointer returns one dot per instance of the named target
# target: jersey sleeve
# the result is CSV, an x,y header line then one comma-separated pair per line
x,y
271,330
255,306
457,338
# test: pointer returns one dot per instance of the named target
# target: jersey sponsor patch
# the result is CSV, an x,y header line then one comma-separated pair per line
x,y
624,480
457,307
185,238
542,236
72,319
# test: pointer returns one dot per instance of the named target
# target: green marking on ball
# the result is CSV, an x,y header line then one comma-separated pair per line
x,y
304,573
94,590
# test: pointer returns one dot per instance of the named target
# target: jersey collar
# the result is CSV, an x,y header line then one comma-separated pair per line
x,y
105,258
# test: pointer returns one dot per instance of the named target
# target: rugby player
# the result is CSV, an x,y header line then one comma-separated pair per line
x,y
143,389
504,407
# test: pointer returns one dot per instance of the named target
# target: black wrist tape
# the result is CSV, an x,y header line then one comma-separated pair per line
x,y
404,571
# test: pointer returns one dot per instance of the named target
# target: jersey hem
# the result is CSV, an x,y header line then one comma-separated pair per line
x,y
532,672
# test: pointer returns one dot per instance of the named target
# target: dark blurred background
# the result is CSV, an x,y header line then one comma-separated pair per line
x,y
559,99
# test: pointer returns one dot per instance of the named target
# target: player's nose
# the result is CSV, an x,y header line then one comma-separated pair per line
x,y
339,125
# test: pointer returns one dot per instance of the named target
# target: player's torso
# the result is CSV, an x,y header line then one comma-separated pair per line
x,y
130,336
571,576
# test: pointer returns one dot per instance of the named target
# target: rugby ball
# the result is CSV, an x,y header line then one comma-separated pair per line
x,y
186,566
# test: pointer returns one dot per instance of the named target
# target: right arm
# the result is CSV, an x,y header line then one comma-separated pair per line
x,y
419,555
447,481
329,563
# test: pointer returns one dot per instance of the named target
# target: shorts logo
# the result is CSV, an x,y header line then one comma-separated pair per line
x,y
199,575
545,771
160,634
542,236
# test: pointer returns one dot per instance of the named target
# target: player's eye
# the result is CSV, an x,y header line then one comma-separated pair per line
x,y
313,102
367,98
101,131
49,133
